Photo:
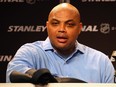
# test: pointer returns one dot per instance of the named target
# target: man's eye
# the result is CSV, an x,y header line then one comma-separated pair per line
x,y
71,24
54,23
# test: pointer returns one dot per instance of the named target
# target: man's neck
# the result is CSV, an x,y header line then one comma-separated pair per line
x,y
65,53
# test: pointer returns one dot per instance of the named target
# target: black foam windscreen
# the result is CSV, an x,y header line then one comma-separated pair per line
x,y
43,76
17,77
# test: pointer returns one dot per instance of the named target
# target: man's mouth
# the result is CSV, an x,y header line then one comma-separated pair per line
x,y
62,39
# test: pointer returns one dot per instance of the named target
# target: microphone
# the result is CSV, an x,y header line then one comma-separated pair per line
x,y
69,80
17,77
42,77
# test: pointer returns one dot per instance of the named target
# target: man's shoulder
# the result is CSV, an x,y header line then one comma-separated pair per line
x,y
90,50
32,45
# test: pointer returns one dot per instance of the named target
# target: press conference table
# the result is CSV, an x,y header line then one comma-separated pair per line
x,y
59,85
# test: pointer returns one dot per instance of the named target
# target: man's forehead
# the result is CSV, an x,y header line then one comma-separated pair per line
x,y
63,14
64,11
67,20
64,20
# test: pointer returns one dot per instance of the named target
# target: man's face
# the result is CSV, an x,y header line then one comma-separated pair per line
x,y
63,28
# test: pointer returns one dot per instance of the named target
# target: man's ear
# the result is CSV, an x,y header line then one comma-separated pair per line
x,y
47,24
80,27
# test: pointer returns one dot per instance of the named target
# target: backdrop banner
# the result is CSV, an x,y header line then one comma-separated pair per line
x,y
23,21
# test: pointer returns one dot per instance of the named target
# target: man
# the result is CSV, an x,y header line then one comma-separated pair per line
x,y
61,53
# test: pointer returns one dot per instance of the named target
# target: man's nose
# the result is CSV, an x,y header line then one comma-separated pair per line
x,y
62,28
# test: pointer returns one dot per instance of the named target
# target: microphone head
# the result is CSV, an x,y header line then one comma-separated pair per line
x,y
43,76
69,80
17,77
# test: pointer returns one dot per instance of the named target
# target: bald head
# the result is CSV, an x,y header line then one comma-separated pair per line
x,y
63,7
